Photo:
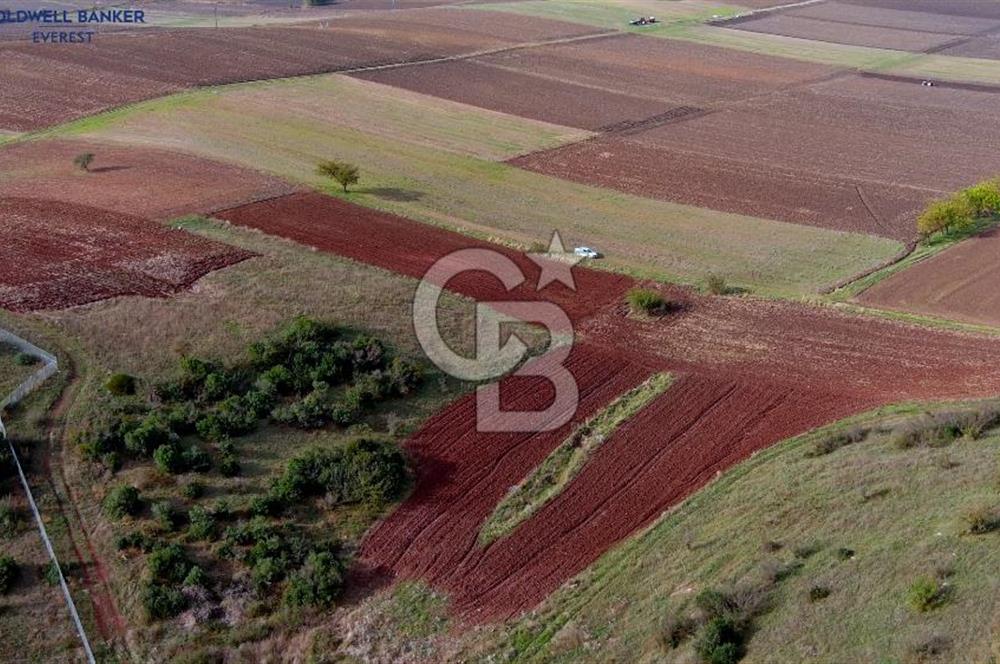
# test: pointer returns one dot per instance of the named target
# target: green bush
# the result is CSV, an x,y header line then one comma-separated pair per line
x,y
645,301
817,593
25,359
161,601
135,540
168,564
926,594
169,459
9,573
121,385
720,642
122,501
51,575
196,577
193,490
149,435
360,471
201,524
166,515
267,571
344,173
318,583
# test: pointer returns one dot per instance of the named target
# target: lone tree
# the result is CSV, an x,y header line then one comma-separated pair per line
x,y
83,161
344,173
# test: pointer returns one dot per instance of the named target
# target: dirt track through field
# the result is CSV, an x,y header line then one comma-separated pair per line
x,y
750,373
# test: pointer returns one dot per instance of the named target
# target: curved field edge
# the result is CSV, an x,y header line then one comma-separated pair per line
x,y
899,511
564,463
460,190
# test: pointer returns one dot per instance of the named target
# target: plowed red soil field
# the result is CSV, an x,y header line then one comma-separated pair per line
x,y
602,82
122,68
403,246
958,284
132,180
749,374
856,153
897,18
55,255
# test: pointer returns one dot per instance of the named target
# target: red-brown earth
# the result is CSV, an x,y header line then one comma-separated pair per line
x,y
55,255
749,373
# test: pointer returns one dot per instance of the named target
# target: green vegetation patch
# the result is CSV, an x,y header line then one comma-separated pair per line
x,y
564,463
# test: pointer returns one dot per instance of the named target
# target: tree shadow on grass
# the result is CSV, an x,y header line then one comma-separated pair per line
x,y
393,194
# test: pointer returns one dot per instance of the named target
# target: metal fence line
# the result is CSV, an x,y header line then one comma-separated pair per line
x,y
50,365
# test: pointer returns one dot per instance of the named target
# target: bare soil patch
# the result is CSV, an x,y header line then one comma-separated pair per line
x,y
132,180
55,255
896,18
958,284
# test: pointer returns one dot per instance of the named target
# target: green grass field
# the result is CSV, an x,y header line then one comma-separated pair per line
x,y
420,166
900,511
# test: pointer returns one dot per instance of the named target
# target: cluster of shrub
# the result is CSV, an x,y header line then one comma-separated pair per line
x,y
309,376
929,430
721,623
362,471
961,210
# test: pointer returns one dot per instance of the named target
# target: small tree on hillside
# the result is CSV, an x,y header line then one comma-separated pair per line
x,y
83,161
344,173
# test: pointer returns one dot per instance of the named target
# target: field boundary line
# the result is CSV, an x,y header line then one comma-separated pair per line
x,y
49,368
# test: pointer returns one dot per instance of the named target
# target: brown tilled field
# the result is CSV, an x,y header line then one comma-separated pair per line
x,y
958,284
840,11
750,373
145,182
790,25
123,68
55,255
727,185
602,82
986,9
858,153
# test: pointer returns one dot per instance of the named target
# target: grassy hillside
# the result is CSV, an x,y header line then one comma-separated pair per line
x,y
414,164
861,525
13,369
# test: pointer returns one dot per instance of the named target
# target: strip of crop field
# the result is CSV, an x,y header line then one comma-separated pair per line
x,y
422,165
565,462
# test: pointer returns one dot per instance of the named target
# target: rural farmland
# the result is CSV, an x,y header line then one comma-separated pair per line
x,y
511,331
